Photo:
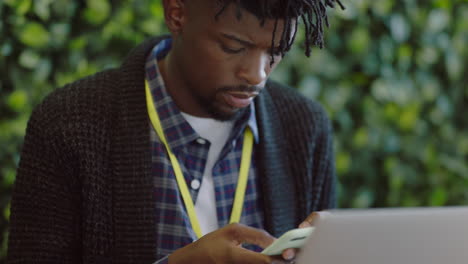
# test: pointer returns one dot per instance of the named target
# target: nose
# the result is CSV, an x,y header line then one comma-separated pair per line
x,y
254,69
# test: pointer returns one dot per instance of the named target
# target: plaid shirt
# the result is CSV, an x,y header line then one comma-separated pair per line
x,y
173,224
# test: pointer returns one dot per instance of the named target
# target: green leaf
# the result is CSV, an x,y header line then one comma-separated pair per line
x,y
454,65
446,4
42,9
382,8
359,40
77,43
438,197
65,9
42,71
157,10
438,20
408,117
343,162
97,11
59,33
399,28
405,53
20,6
6,49
29,59
17,100
35,35
360,138
364,199
9,176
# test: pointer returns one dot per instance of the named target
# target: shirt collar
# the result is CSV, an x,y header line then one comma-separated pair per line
x,y
177,130
252,123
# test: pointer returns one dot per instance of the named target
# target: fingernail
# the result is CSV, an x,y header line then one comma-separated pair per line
x,y
289,254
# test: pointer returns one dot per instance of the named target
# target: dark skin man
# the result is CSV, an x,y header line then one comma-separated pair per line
x,y
229,52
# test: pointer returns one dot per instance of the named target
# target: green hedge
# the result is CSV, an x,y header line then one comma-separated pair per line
x,y
393,78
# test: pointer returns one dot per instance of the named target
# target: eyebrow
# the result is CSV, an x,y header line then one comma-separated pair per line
x,y
243,42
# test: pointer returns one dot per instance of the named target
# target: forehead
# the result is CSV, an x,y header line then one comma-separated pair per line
x,y
235,20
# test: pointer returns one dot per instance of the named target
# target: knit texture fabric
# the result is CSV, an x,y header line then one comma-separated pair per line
x,y
84,191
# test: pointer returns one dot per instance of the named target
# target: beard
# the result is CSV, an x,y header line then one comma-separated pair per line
x,y
216,112
214,109
220,115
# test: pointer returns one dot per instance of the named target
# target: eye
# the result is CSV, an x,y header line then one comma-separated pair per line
x,y
230,50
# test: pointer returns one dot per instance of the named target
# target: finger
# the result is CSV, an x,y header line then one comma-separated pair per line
x,y
239,234
242,255
289,254
309,221
278,259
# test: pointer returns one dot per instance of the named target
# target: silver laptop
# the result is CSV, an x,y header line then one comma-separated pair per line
x,y
389,236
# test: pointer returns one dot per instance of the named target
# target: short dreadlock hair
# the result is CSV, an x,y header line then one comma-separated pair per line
x,y
312,12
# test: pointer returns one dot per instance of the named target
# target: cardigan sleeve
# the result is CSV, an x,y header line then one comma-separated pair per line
x,y
44,223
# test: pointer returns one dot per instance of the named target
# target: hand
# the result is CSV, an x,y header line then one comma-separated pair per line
x,y
308,222
225,246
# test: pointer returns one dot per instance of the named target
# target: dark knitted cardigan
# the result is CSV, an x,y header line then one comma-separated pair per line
x,y
84,191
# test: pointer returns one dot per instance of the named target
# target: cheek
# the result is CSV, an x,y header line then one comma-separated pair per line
x,y
212,64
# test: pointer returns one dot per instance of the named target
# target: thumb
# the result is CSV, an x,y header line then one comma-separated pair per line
x,y
312,218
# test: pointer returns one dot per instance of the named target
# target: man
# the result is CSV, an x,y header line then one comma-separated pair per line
x,y
152,161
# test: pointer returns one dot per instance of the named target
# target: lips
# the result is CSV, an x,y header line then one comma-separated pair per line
x,y
238,99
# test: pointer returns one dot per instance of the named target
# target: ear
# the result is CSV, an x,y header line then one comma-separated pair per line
x,y
175,15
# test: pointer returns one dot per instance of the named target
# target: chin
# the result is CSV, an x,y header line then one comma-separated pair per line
x,y
226,115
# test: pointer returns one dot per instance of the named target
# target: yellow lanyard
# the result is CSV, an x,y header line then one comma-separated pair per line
x,y
243,173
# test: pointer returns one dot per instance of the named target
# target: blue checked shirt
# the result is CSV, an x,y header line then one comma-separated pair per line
x,y
173,225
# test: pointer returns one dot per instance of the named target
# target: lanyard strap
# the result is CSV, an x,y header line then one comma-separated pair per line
x,y
189,206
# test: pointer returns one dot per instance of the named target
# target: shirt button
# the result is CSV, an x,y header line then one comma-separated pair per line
x,y
195,184
201,141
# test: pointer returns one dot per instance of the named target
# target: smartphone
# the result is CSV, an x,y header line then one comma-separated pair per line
x,y
294,238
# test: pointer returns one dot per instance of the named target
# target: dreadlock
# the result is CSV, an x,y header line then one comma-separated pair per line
x,y
312,13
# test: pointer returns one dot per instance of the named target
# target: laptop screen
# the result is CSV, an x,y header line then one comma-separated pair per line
x,y
389,236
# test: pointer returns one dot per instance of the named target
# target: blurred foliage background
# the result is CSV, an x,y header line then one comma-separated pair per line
x,y
393,77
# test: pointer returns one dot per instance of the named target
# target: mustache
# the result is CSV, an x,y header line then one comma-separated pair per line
x,y
241,88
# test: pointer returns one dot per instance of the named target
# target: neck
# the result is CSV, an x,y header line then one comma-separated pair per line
x,y
178,88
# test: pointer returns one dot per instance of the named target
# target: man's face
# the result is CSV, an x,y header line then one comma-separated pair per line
x,y
224,63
